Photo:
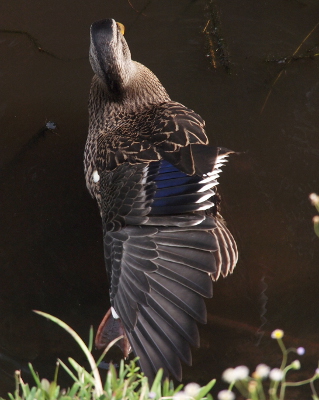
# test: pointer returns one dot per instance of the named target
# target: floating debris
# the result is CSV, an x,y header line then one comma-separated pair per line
x,y
51,125
217,49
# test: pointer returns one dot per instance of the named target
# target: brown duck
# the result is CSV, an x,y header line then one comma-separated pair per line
x,y
149,166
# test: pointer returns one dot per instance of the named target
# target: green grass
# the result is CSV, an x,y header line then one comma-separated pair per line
x,y
126,383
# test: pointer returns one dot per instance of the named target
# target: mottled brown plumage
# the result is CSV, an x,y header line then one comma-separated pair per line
x,y
148,164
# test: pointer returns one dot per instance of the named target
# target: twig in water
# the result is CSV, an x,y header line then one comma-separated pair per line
x,y
37,45
288,62
139,12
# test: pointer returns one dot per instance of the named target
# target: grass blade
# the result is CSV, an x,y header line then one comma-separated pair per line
x,y
97,378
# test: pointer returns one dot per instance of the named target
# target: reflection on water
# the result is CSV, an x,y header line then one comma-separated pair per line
x,y
50,247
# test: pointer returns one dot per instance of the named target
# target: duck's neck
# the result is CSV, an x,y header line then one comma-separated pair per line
x,y
143,91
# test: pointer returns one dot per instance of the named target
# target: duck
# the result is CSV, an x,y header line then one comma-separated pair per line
x,y
148,164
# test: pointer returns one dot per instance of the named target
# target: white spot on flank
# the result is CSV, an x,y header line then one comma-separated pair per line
x,y
114,315
96,176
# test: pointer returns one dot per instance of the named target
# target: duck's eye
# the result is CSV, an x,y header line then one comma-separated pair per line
x,y
121,27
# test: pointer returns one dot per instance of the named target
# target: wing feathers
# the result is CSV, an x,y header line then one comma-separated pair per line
x,y
187,300
178,344
181,199
195,280
144,243
182,208
137,277
161,346
161,253
144,360
124,308
137,295
152,353
200,240
227,254
198,259
139,263
175,220
141,253
148,353
139,231
178,319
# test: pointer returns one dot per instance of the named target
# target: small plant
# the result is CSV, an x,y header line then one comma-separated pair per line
x,y
127,383
314,198
252,387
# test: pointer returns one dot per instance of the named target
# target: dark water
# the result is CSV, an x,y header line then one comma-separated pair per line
x,y
50,238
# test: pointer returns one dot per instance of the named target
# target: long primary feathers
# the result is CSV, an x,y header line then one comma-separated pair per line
x,y
154,176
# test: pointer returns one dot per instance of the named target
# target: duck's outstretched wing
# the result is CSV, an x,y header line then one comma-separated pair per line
x,y
161,251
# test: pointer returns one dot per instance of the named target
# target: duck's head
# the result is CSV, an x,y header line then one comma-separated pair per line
x,y
122,77
110,56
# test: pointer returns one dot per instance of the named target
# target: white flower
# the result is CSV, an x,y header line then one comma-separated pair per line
x,y
229,375
316,371
276,374
152,395
235,374
277,334
314,198
301,351
180,396
295,364
262,371
241,372
192,389
226,395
